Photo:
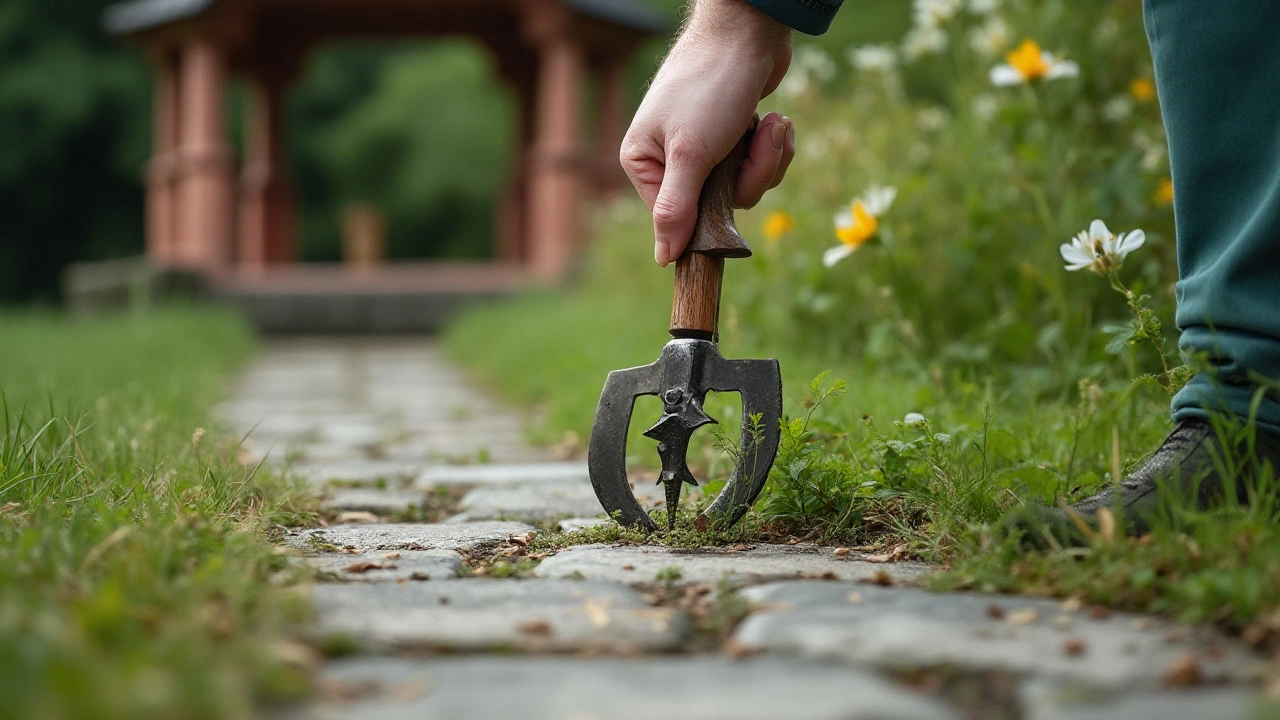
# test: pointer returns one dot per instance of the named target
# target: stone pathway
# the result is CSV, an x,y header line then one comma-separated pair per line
x,y
427,480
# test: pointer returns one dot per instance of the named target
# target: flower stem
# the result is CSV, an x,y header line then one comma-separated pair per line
x,y
1148,326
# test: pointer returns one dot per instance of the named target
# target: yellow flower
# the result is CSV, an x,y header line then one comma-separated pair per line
x,y
1028,62
859,223
1142,89
861,226
776,224
1164,192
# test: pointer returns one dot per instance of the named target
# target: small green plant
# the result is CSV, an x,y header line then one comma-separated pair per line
x,y
668,575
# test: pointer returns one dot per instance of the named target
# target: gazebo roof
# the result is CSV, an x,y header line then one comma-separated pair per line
x,y
136,16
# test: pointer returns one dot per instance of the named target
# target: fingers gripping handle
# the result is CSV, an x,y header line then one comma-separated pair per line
x,y
695,307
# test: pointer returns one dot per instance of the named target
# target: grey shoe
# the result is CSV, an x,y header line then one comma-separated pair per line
x,y
1188,465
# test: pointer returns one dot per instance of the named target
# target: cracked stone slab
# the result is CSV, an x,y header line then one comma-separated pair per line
x,y
637,564
529,502
395,565
380,502
902,628
476,614
1041,702
553,688
505,474
463,537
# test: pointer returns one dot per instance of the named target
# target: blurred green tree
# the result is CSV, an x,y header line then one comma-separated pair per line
x,y
74,116
428,144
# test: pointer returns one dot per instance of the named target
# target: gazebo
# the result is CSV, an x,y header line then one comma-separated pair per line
x,y
205,216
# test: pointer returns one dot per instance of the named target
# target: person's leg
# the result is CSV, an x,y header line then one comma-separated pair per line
x,y
1217,66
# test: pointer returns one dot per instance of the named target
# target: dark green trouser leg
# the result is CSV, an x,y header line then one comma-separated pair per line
x,y
1217,68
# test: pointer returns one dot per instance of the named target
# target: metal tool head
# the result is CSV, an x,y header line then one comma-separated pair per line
x,y
684,373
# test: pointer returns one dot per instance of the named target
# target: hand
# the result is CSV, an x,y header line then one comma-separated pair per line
x,y
729,56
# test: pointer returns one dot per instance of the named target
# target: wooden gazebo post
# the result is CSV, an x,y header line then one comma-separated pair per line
x,y
555,172
267,225
206,187
162,168
612,120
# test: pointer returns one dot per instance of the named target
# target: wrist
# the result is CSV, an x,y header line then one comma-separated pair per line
x,y
737,22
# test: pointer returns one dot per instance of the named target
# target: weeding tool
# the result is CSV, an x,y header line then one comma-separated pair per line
x,y
688,368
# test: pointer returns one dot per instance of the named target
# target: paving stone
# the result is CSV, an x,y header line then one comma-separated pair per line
x,y
637,564
357,471
469,452
1041,702
552,688
496,474
907,628
479,614
463,537
395,565
353,432
374,500
529,502
582,523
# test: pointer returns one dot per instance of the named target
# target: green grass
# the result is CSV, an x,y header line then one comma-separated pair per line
x,y
136,580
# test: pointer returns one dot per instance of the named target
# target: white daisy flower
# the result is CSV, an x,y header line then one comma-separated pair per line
x,y
1028,62
859,222
990,37
875,58
935,12
924,40
1099,250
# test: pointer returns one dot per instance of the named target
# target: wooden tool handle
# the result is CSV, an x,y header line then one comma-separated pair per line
x,y
695,307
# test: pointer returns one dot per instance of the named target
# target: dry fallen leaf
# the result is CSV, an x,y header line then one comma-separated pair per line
x,y
736,650
739,547
343,691
1099,612
854,597
297,655
628,566
1071,605
522,539
357,517
1025,616
1184,672
536,627
1073,647
10,507
392,556
882,578
364,567
410,690
840,551
893,555
419,576
596,613
995,612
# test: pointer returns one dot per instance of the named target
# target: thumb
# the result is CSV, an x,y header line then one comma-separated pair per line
x,y
675,210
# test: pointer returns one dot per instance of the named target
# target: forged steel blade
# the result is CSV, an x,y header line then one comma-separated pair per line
x,y
684,373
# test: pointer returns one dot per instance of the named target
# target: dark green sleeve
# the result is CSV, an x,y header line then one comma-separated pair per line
x,y
811,17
